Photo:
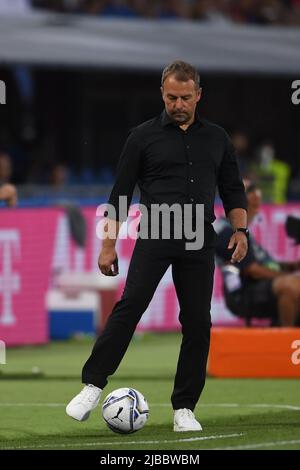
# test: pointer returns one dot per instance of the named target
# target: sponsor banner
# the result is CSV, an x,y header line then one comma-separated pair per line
x,y
36,246
26,248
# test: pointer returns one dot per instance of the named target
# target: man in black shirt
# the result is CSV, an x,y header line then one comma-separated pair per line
x,y
259,286
175,158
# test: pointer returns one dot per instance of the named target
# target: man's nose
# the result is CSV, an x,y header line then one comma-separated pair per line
x,y
179,103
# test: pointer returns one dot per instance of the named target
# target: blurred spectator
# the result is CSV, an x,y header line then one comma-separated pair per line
x,y
246,11
59,176
5,167
170,9
93,7
273,174
272,11
54,5
241,144
8,192
293,12
264,12
146,9
259,286
213,11
115,8
124,8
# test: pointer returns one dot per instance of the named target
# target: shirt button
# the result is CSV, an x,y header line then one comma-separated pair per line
x,y
187,146
190,163
192,199
191,180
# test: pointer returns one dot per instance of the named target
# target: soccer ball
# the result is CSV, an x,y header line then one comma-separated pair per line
x,y
125,410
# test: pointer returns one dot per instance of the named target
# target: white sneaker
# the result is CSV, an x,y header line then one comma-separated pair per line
x,y
184,420
81,406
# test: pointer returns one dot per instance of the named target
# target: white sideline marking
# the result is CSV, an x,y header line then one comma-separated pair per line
x,y
46,405
168,405
260,444
114,443
239,405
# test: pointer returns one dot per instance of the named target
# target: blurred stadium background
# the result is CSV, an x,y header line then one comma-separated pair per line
x,y
79,74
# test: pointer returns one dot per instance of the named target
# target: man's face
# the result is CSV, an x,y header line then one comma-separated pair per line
x,y
180,99
254,201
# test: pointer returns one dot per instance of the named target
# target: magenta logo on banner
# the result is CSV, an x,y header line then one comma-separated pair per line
x,y
9,280
2,352
2,92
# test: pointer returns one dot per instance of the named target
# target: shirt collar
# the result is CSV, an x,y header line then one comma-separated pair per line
x,y
167,121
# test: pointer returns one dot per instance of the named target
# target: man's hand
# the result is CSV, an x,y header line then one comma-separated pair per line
x,y
240,240
108,262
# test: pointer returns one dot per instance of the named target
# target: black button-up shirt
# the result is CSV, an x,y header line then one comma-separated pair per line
x,y
175,166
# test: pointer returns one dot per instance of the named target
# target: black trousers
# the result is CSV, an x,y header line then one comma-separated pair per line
x,y
192,272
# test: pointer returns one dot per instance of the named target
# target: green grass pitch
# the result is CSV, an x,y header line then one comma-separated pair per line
x,y
37,383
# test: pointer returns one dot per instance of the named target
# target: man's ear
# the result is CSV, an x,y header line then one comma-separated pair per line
x,y
161,90
199,94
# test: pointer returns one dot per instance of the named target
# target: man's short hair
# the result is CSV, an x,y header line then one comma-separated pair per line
x,y
249,185
182,71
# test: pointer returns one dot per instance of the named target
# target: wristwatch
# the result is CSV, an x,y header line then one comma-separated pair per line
x,y
244,230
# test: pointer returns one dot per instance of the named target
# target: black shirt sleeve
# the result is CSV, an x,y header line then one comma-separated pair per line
x,y
230,184
126,179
